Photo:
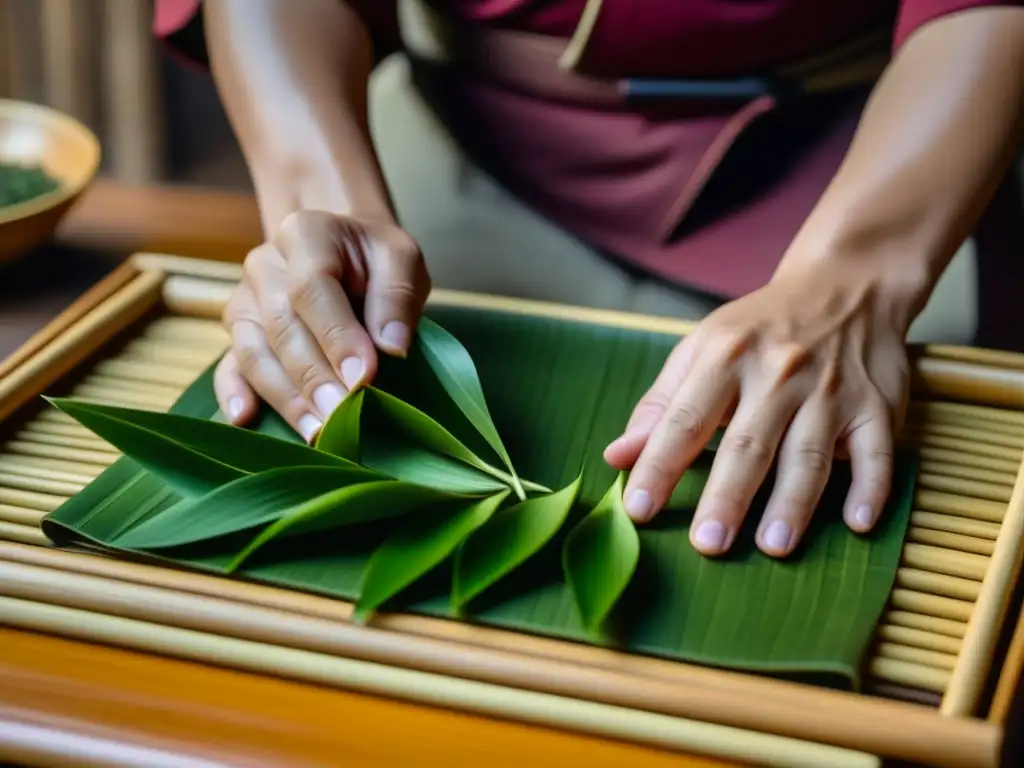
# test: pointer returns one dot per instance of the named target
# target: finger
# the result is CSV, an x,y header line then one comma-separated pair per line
x,y
741,463
679,436
396,292
316,253
870,445
261,368
235,397
623,452
804,464
293,345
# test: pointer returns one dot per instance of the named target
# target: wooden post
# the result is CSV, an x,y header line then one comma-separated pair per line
x,y
135,135
68,39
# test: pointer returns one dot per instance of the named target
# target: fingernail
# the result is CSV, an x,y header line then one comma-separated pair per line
x,y
309,425
352,369
710,536
327,397
862,516
396,334
235,407
639,505
777,535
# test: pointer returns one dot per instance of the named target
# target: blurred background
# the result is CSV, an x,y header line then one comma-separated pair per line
x,y
97,60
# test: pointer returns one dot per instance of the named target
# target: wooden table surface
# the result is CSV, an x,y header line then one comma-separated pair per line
x,y
59,697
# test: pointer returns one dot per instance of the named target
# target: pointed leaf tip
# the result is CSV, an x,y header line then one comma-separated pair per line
x,y
507,540
243,504
359,503
454,368
419,546
340,434
600,556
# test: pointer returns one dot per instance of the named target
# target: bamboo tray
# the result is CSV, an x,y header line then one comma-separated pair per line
x,y
941,680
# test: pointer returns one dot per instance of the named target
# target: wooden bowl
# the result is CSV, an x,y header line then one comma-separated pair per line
x,y
32,134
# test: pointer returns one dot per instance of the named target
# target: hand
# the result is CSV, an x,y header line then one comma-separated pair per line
x,y
299,341
811,367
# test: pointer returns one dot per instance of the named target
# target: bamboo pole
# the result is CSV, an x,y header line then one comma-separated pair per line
x,y
684,735
78,342
985,621
840,719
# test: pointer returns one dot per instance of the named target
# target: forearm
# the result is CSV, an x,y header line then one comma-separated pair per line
x,y
293,80
934,141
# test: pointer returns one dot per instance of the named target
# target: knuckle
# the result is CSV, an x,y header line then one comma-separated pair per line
x,y
255,264
307,376
401,293
813,456
336,341
279,325
249,358
747,447
783,362
304,291
684,422
296,225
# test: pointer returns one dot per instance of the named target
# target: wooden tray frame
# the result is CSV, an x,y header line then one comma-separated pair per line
x,y
958,735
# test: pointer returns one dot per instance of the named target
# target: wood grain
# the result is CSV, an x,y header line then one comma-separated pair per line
x,y
76,691
209,224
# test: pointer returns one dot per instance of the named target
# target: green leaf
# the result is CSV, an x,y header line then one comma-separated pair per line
x,y
569,386
413,464
424,430
339,436
193,455
421,544
359,503
454,368
249,502
600,556
186,470
508,540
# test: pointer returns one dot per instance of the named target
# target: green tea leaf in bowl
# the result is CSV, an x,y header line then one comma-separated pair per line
x,y
508,540
600,556
417,547
21,183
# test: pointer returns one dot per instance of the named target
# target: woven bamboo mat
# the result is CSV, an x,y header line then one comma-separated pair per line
x,y
969,460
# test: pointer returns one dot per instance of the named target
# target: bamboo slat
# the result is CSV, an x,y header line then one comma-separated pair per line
x,y
959,563
636,725
930,574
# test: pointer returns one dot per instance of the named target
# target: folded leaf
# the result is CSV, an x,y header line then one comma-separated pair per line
x,y
508,540
420,545
600,556
404,460
249,502
454,368
339,436
187,471
346,506
193,455
424,430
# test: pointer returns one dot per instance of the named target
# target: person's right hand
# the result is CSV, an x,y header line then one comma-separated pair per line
x,y
299,339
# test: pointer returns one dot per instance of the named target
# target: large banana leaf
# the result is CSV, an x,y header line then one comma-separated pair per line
x,y
556,392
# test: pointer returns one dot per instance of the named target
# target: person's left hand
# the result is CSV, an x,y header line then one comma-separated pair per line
x,y
809,368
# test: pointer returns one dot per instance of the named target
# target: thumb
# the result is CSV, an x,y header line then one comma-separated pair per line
x,y
396,291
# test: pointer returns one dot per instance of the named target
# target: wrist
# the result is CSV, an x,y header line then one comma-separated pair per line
x,y
895,266
284,187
